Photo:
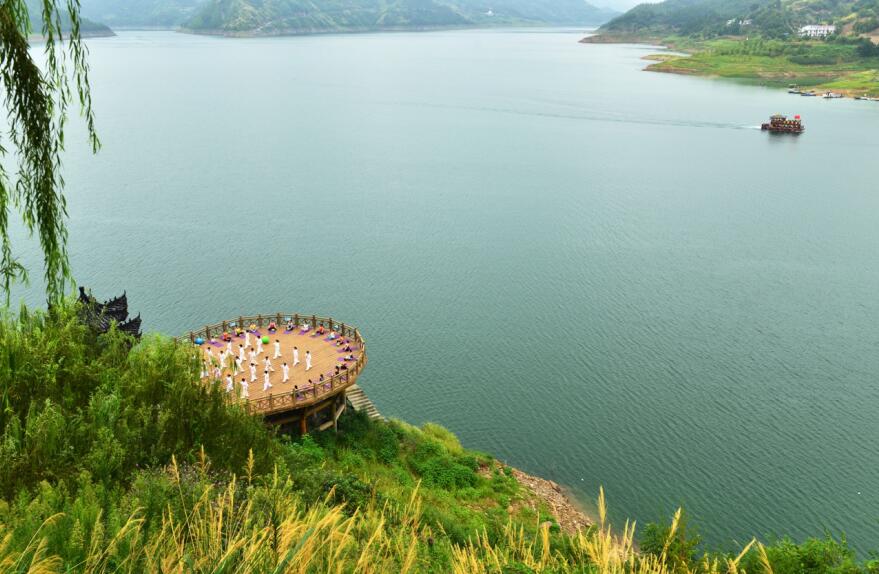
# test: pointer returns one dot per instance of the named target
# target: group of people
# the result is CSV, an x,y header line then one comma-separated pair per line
x,y
251,351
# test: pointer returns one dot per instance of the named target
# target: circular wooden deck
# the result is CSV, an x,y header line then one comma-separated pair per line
x,y
304,387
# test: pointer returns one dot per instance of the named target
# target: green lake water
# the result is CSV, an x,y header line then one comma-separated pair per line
x,y
598,274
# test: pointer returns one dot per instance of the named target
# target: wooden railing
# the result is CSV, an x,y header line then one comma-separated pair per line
x,y
305,396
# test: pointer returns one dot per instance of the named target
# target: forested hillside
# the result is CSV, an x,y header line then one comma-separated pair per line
x,y
770,18
268,17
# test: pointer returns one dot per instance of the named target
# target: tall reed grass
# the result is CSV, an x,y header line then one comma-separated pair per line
x,y
249,528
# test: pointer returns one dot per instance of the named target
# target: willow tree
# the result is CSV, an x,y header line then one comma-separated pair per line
x,y
36,96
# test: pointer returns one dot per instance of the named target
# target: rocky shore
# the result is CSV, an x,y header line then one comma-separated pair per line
x,y
569,516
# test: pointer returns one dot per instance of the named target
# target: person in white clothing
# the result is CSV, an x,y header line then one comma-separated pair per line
x,y
246,338
259,346
277,349
267,363
307,360
295,356
266,385
241,351
245,389
252,372
237,365
228,346
286,371
252,354
230,384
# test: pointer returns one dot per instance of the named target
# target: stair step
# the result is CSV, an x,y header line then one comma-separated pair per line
x,y
360,402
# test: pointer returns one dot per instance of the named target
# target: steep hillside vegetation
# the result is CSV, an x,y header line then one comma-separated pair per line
x,y
771,18
110,447
272,17
681,16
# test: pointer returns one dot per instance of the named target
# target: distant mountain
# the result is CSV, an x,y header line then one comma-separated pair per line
x,y
87,27
277,17
772,18
90,29
681,16
141,13
617,5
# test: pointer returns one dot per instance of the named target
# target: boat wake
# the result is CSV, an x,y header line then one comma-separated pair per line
x,y
601,116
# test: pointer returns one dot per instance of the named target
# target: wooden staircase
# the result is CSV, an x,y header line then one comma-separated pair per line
x,y
361,403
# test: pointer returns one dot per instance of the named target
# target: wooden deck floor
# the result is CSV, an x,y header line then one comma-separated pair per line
x,y
325,357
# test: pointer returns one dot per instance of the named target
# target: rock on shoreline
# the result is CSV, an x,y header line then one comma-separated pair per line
x,y
570,518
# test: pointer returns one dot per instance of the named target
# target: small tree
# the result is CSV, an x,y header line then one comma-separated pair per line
x,y
867,49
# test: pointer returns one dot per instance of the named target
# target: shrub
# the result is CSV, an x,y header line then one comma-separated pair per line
x,y
813,60
443,436
866,25
103,404
814,556
679,544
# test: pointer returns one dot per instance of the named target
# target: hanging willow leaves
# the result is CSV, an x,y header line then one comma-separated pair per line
x,y
36,101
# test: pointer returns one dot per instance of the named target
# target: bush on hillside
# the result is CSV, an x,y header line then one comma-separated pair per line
x,y
73,402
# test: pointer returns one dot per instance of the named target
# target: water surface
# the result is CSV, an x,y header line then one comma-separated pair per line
x,y
601,275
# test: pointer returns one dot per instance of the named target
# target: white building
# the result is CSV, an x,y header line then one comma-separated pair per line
x,y
813,31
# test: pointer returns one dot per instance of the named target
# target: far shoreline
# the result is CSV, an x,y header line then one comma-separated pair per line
x,y
296,32
790,76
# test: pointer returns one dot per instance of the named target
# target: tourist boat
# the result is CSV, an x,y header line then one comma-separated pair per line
x,y
779,124
808,94
832,96
793,89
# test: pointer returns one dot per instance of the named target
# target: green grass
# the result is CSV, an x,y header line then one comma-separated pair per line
x,y
776,63
857,83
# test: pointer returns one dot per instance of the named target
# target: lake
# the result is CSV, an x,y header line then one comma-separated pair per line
x,y
600,275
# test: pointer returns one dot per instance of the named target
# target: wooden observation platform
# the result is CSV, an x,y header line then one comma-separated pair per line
x,y
313,398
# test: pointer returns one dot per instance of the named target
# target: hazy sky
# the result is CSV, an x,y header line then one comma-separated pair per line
x,y
620,5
